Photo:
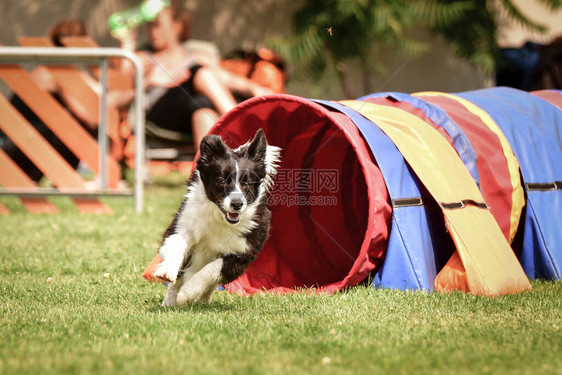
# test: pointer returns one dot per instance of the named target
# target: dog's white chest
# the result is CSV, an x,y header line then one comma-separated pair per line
x,y
219,242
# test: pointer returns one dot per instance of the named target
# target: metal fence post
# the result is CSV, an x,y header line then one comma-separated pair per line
x,y
102,127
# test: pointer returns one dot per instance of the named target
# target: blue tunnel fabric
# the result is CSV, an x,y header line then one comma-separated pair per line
x,y
533,128
440,118
415,246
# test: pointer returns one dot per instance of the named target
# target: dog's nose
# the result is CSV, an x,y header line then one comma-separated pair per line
x,y
236,204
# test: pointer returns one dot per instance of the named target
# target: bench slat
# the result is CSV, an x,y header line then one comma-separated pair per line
x,y
11,176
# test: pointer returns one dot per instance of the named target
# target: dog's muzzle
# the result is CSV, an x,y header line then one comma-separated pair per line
x,y
232,209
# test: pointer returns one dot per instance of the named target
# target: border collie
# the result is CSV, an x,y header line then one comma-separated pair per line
x,y
223,221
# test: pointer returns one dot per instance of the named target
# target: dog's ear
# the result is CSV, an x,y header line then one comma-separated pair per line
x,y
211,146
258,147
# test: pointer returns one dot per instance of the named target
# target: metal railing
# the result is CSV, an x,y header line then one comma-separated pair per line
x,y
100,56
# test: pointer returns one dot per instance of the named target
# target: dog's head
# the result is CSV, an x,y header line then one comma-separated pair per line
x,y
233,178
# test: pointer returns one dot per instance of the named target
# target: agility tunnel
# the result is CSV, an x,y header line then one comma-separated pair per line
x,y
427,191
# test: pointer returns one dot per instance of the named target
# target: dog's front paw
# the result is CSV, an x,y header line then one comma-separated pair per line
x,y
194,295
167,271
167,302
172,253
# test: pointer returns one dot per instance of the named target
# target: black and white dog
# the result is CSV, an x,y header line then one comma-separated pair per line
x,y
223,221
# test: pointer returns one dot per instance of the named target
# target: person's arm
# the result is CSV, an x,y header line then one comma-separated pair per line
x,y
115,98
128,42
166,77
240,84
208,84
231,81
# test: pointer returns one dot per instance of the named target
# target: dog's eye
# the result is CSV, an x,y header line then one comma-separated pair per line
x,y
221,182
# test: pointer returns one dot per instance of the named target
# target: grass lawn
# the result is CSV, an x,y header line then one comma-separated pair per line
x,y
72,300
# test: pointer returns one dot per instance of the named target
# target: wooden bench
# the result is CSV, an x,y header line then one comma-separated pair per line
x,y
70,132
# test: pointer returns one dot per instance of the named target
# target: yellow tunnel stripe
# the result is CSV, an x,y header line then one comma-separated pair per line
x,y
517,196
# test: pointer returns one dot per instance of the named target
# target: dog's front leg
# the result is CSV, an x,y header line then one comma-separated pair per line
x,y
173,252
202,284
174,288
171,293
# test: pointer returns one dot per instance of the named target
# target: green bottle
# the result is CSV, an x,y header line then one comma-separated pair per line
x,y
121,22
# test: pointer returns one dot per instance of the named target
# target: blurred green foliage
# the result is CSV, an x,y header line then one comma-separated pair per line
x,y
329,33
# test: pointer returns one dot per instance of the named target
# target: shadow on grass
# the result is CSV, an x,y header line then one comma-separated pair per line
x,y
212,307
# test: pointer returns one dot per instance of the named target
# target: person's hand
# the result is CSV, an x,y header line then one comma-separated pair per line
x,y
161,76
127,40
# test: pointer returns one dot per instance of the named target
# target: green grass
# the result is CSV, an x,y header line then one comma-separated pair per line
x,y
72,301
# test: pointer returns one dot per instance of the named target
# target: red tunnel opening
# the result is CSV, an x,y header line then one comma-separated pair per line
x,y
329,204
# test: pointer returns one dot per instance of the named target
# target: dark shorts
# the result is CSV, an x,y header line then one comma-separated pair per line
x,y
174,110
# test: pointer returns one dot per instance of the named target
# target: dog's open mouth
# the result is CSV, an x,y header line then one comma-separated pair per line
x,y
232,217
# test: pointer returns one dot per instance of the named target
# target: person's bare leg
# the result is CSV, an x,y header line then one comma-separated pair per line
x,y
207,83
202,121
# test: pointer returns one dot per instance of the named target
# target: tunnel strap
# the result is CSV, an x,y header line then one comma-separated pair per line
x,y
407,202
544,186
464,203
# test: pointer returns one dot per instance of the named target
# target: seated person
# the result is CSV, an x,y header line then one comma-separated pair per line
x,y
183,93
